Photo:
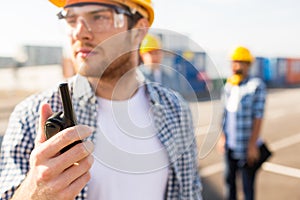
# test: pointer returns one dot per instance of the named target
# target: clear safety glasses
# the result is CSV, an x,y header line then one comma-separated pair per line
x,y
96,18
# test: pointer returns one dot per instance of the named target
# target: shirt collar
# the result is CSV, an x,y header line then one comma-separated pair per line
x,y
152,92
82,87
245,80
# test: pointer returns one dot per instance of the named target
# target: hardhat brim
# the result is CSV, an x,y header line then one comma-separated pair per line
x,y
147,6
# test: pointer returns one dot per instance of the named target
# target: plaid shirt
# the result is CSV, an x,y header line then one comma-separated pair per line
x,y
172,118
251,106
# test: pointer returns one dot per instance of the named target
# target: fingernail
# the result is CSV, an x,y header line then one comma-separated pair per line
x,y
91,129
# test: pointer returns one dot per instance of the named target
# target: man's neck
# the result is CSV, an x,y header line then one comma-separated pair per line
x,y
119,89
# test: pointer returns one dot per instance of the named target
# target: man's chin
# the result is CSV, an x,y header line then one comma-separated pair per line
x,y
89,72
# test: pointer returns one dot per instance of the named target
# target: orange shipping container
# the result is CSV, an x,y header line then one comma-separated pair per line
x,y
293,71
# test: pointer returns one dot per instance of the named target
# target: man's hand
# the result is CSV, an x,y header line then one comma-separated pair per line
x,y
221,143
252,154
53,175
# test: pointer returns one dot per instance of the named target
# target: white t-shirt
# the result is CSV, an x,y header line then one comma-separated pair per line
x,y
157,75
130,162
232,107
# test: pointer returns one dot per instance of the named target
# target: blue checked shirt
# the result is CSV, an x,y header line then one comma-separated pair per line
x,y
252,97
172,118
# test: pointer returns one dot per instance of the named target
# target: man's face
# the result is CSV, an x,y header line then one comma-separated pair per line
x,y
153,58
240,68
99,39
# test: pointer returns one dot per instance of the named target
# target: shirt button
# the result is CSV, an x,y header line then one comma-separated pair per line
x,y
93,100
81,103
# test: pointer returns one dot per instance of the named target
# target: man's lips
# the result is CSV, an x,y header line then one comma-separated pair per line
x,y
84,53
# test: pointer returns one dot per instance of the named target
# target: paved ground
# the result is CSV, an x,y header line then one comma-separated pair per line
x,y
278,179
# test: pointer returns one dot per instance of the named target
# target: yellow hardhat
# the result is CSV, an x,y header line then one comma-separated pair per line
x,y
144,7
242,54
150,43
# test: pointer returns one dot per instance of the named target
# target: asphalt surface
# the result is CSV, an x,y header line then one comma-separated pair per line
x,y
278,179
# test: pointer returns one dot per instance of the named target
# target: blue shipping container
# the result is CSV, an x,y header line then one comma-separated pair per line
x,y
190,67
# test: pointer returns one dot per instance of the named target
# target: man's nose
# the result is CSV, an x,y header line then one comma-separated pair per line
x,y
82,30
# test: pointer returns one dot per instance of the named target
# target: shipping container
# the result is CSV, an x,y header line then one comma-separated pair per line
x,y
191,73
280,68
262,68
293,71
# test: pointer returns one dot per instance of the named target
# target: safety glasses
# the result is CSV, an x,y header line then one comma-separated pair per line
x,y
96,18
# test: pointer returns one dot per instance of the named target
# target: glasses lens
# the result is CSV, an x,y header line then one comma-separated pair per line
x,y
95,18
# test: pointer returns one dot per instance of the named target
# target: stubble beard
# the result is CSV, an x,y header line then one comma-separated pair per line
x,y
118,68
109,64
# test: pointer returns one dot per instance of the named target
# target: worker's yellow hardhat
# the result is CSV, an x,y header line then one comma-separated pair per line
x,y
150,43
242,54
144,7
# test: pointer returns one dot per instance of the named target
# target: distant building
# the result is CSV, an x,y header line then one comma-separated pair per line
x,y
41,55
7,62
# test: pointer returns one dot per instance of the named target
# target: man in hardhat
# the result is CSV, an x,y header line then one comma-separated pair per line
x,y
151,44
151,53
137,139
244,99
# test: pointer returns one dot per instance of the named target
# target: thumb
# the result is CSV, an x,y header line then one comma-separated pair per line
x,y
45,112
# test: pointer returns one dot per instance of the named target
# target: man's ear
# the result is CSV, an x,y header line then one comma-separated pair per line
x,y
141,28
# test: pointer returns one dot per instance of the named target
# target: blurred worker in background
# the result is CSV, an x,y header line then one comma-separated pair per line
x,y
152,54
141,134
244,99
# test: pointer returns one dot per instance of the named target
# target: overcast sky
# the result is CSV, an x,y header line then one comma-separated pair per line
x,y
267,27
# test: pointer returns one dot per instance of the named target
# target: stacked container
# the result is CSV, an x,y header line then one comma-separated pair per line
x,y
190,72
293,71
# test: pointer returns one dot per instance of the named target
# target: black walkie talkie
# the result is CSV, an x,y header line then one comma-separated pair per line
x,y
62,120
